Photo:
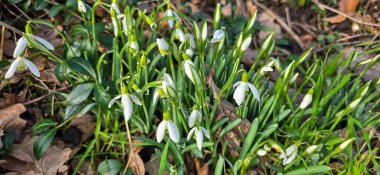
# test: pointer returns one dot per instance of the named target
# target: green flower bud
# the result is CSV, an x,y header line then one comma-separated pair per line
x,y
166,116
244,77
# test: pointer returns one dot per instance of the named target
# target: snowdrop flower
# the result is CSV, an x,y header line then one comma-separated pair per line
x,y
266,69
311,149
191,72
163,46
189,52
218,36
125,25
81,6
23,42
242,87
170,13
180,35
190,37
355,103
115,7
307,99
134,47
261,152
169,125
194,116
245,44
151,22
22,63
168,86
126,102
199,133
289,155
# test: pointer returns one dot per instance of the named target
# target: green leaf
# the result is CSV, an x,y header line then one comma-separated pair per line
x,y
82,66
41,125
100,95
249,138
80,93
14,1
229,127
42,143
109,167
86,109
55,10
164,158
72,110
218,124
219,166
4,63
40,4
317,169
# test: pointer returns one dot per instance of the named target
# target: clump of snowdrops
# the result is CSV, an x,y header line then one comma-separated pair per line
x,y
181,88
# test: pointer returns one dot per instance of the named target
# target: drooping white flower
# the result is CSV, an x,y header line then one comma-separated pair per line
x,y
170,13
242,87
163,46
180,35
125,26
199,133
168,86
126,102
191,72
22,63
194,116
266,69
261,152
115,7
151,22
218,36
169,125
289,155
190,37
115,26
189,52
81,6
307,99
311,149
245,44
134,46
23,42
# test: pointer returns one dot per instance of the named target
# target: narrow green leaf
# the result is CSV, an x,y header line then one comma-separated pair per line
x,y
55,10
229,127
317,169
42,143
164,158
219,166
80,93
109,167
41,125
249,138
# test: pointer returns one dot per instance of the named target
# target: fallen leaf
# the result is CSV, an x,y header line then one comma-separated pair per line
x,y
9,99
10,119
153,165
251,8
269,22
86,124
136,162
49,77
201,170
227,10
345,6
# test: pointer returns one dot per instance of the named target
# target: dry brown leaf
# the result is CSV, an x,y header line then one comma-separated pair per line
x,y
136,162
49,77
249,56
251,8
345,6
153,165
40,62
9,117
269,21
9,99
201,170
86,124
227,10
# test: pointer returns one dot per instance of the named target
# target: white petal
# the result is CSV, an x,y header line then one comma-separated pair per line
x,y
161,131
236,84
12,69
116,8
254,91
218,36
155,96
115,28
113,101
170,13
246,44
191,40
127,106
290,159
239,93
189,52
125,27
261,152
168,80
31,66
162,44
173,131
199,138
194,116
191,132
181,36
135,99
291,150
20,47
205,133
266,69
191,72
44,42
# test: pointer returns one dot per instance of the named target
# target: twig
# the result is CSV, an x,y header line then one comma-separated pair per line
x,y
11,28
2,42
281,23
322,6
43,96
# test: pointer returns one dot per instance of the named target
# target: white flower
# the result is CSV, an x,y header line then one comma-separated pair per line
x,y
311,149
180,35
190,37
115,7
22,63
242,87
289,155
163,46
168,86
194,116
266,69
81,6
126,104
169,13
245,44
135,47
189,52
199,132
191,72
261,152
355,103
307,99
125,26
170,126
218,36
115,26
23,42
